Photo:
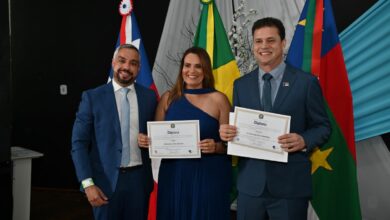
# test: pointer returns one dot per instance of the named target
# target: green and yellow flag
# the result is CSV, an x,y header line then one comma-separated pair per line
x,y
211,35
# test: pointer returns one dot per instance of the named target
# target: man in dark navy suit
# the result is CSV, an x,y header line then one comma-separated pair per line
x,y
115,173
267,189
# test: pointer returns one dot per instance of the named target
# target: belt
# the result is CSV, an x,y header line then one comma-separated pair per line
x,y
128,169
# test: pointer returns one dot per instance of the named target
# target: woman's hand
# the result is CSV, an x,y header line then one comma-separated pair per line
x,y
208,146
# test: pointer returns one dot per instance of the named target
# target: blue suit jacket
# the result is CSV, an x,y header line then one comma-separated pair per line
x,y
301,99
96,138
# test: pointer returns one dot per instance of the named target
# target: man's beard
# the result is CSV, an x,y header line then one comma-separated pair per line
x,y
124,81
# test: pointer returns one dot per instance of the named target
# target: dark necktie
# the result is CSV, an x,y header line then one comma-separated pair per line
x,y
266,98
125,127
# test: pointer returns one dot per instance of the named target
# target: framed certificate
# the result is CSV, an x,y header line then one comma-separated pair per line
x,y
174,139
258,133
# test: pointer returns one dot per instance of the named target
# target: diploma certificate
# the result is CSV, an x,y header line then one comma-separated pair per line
x,y
257,134
174,139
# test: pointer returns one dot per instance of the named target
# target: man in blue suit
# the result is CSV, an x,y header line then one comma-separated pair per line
x,y
115,173
267,189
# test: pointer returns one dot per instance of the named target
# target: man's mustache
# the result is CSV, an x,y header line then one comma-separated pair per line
x,y
127,71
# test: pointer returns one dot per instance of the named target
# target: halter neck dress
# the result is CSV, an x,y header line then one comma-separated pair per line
x,y
194,189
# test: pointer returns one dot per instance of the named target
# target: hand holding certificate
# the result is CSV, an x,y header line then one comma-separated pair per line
x,y
258,134
174,139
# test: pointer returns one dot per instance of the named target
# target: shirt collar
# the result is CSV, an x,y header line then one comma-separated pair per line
x,y
118,87
276,73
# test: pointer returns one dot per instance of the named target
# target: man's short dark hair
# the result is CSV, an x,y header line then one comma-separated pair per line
x,y
270,22
128,46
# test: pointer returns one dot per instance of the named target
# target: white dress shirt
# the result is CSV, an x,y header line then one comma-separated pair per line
x,y
135,152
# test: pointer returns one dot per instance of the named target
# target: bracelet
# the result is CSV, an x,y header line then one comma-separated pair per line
x,y
87,182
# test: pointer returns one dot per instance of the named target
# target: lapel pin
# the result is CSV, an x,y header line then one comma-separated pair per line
x,y
286,84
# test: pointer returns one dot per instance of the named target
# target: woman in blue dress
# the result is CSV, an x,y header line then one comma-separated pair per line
x,y
195,189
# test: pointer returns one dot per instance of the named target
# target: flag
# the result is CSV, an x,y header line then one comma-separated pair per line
x,y
129,34
316,48
212,37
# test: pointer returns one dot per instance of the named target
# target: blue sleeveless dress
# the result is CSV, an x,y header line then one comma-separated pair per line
x,y
194,189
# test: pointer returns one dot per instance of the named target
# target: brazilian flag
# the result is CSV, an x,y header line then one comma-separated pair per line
x,y
211,36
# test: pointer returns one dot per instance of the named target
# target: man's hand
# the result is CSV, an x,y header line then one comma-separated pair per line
x,y
143,140
227,132
291,142
95,196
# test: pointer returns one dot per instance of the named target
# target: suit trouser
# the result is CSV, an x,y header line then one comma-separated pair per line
x,y
267,206
130,199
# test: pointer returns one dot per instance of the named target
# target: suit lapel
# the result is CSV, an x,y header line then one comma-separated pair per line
x,y
142,116
112,109
253,89
285,87
141,108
